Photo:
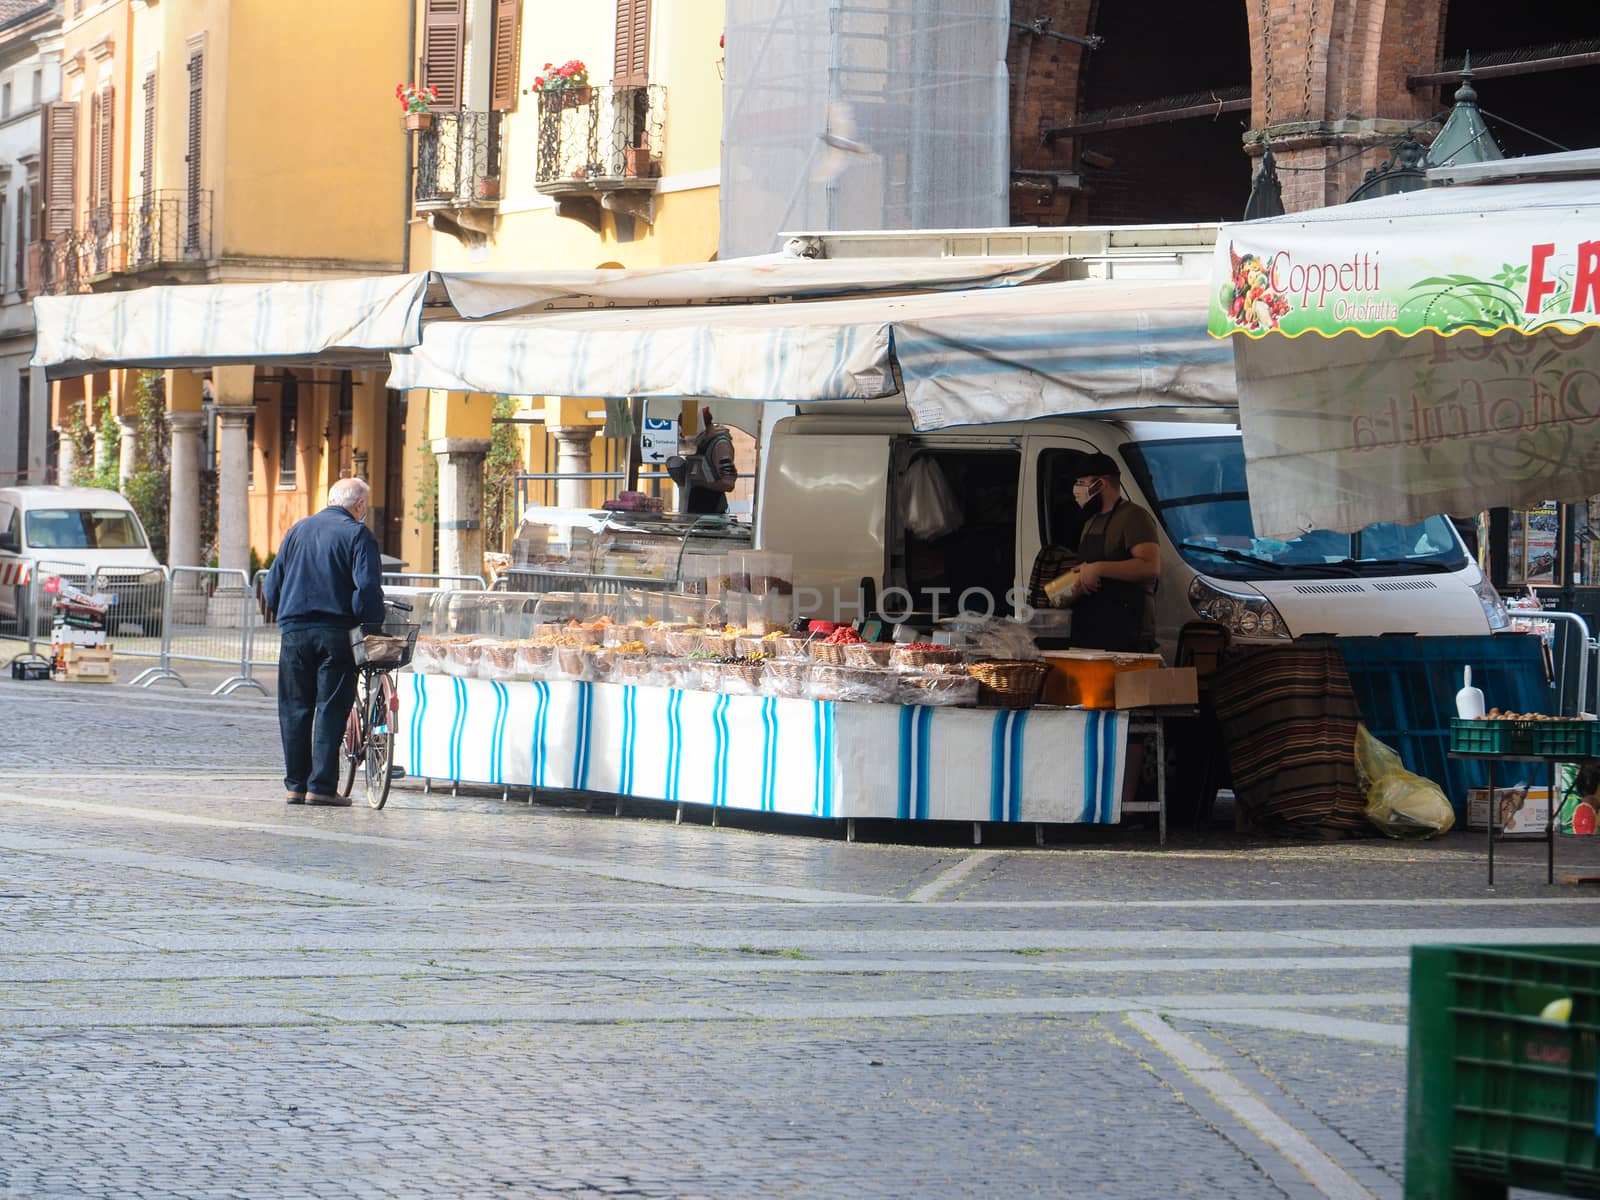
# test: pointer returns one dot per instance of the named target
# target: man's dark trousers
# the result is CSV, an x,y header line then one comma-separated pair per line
x,y
316,686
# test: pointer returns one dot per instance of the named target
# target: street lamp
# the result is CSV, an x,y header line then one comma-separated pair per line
x,y
1266,194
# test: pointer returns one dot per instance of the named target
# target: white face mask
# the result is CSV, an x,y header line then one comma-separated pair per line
x,y
1086,494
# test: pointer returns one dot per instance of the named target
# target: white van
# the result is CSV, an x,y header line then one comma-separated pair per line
x,y
833,497
77,532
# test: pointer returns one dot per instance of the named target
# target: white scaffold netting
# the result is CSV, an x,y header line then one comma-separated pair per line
x,y
863,114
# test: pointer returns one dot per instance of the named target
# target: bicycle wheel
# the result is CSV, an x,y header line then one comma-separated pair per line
x,y
380,739
352,749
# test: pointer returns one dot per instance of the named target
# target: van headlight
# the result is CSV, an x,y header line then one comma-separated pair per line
x,y
1494,608
1243,614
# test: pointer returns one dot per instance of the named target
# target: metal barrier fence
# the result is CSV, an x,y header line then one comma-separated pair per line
x,y
417,579
25,606
211,613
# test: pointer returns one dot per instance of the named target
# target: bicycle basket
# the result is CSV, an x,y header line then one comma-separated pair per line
x,y
388,646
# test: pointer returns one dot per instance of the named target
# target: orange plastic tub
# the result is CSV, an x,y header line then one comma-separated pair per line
x,y
1088,678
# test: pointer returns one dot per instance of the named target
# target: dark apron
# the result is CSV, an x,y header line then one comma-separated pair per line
x,y
1113,617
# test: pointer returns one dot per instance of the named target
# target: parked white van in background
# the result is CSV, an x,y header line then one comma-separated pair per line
x,y
833,496
76,532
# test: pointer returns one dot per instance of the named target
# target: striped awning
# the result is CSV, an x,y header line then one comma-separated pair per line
x,y
964,357
358,322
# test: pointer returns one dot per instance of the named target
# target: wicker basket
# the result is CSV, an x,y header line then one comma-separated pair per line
x,y
950,691
586,635
789,677
742,679
868,654
461,660
831,653
1009,683
573,662
621,635
534,661
498,662
916,660
684,641
635,669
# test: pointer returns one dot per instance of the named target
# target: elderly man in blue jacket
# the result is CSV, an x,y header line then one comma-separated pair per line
x,y
326,580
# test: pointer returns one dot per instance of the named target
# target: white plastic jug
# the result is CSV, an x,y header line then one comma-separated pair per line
x,y
1469,700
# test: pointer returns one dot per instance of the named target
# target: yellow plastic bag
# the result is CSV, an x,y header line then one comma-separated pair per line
x,y
1401,804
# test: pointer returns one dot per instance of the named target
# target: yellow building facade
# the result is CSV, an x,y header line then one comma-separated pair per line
x,y
618,168
217,141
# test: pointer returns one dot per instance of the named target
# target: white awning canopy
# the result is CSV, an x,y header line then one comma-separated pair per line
x,y
964,357
1428,352
341,322
358,322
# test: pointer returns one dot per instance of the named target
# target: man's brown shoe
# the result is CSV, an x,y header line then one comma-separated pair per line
x,y
294,798
328,801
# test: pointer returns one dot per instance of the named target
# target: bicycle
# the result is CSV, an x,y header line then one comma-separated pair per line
x,y
379,652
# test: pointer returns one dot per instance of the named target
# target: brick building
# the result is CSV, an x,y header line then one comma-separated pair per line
x,y
1165,117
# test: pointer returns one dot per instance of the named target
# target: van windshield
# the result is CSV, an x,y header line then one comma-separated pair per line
x,y
1197,488
83,529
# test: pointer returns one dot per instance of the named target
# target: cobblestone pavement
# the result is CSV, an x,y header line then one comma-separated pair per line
x,y
204,993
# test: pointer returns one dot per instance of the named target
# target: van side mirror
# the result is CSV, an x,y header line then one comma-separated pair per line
x,y
8,543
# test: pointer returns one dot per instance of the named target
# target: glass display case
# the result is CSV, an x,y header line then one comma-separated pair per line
x,y
577,550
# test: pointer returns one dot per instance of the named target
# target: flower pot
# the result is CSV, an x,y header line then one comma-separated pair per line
x,y
637,163
418,120
488,189
574,97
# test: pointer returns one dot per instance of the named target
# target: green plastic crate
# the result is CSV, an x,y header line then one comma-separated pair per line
x,y
1496,1096
1572,739
1492,737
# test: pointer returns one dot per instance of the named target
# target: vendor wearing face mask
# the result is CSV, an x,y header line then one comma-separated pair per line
x,y
1113,604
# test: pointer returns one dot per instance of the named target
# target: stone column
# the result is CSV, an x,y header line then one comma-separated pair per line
x,y
183,509
128,457
461,504
572,458
67,460
233,497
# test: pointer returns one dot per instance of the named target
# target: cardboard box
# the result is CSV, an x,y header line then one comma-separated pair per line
x,y
67,635
1530,817
1163,688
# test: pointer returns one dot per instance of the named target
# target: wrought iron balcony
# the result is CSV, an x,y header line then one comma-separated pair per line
x,y
163,229
596,145
458,161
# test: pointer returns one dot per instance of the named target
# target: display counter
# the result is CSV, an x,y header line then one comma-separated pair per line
x,y
816,758
561,549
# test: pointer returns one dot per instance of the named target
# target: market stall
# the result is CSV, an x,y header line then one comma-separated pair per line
x,y
671,668
766,753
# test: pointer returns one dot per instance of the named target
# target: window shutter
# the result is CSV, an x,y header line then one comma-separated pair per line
x,y
444,40
630,63
105,99
148,182
504,92
60,168
193,176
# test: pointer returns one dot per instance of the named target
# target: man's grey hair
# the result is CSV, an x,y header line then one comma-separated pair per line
x,y
349,493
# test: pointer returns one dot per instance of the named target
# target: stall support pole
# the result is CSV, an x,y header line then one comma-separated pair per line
x,y
1494,810
678,820
716,817
849,829
977,833
427,787
1161,779
1038,834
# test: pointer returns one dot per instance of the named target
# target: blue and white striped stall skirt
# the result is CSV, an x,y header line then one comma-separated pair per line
x,y
801,757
